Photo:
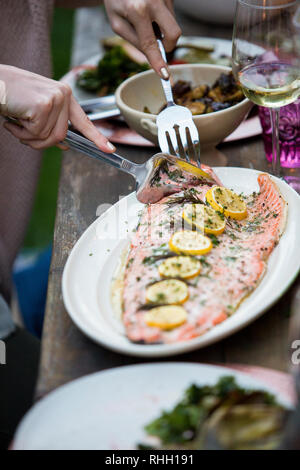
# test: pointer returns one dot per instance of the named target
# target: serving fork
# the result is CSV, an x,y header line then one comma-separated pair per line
x,y
148,187
177,133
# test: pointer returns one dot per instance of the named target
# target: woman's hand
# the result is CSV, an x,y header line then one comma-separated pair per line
x,y
43,107
132,19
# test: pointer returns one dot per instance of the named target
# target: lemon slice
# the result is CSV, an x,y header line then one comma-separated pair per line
x,y
185,166
185,267
227,202
204,218
170,291
166,317
190,243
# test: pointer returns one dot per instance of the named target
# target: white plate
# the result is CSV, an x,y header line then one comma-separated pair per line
x,y
108,410
93,260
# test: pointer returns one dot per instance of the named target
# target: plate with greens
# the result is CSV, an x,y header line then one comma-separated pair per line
x,y
168,405
117,60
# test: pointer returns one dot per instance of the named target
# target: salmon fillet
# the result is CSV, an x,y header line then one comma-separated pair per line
x,y
230,271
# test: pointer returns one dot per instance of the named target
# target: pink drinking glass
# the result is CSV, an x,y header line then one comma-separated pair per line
x,y
289,134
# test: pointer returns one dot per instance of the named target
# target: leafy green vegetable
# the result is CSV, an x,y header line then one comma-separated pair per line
x,y
114,67
178,425
185,426
89,80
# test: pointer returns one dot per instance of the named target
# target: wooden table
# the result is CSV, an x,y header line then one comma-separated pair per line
x,y
84,185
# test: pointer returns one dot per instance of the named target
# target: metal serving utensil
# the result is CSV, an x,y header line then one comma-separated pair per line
x,y
145,174
147,191
105,114
177,133
103,102
103,107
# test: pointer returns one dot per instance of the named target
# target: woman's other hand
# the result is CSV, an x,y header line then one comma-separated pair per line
x,y
132,19
43,107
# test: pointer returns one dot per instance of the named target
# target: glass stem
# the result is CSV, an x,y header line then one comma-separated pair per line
x,y
276,167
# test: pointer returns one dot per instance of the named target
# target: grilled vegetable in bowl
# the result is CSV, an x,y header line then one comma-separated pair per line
x,y
222,416
141,94
203,99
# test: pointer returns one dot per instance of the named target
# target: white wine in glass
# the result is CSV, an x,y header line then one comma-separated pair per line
x,y
266,57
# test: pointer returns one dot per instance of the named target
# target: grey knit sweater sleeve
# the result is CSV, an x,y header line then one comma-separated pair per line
x,y
6,324
25,43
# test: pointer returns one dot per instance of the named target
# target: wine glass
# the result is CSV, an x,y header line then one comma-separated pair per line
x,y
266,57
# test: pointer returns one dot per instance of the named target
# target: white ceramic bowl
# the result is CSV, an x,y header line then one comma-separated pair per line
x,y
145,89
212,11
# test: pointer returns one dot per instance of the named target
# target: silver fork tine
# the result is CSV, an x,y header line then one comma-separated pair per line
x,y
180,147
178,118
190,146
197,150
170,145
